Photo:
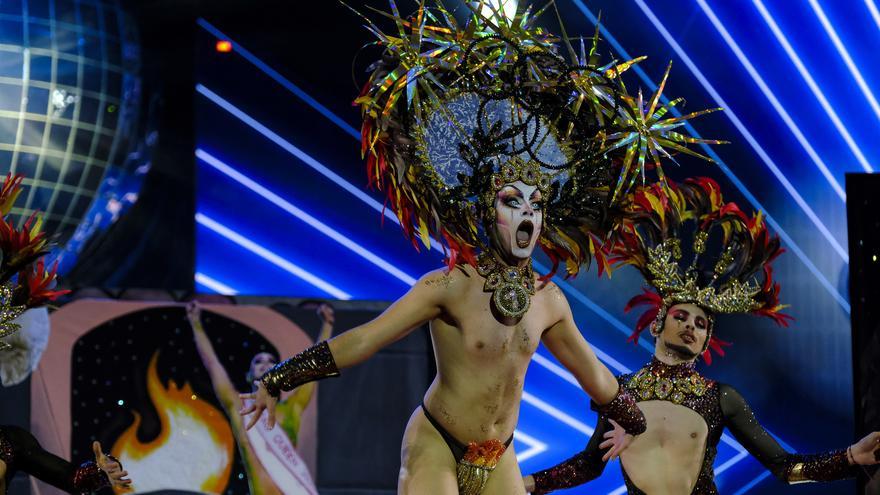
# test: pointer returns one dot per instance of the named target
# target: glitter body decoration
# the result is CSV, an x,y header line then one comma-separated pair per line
x,y
720,406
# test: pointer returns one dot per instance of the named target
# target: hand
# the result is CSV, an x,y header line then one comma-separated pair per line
x,y
866,451
259,401
617,439
111,467
529,482
326,313
194,313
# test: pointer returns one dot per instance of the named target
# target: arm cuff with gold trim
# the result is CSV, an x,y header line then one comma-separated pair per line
x,y
312,364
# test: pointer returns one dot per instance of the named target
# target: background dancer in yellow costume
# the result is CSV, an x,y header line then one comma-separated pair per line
x,y
487,139
270,457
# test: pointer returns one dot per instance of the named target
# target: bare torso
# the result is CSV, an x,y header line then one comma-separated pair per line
x,y
666,459
482,358
2,478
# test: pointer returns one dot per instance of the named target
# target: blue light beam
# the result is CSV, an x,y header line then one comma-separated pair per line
x,y
729,173
805,74
847,59
271,257
313,222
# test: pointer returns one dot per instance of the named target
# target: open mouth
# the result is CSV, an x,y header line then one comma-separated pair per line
x,y
524,234
687,337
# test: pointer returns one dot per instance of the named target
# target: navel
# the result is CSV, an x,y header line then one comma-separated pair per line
x,y
694,435
480,344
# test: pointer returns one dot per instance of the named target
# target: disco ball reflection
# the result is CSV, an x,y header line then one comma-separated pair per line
x,y
69,106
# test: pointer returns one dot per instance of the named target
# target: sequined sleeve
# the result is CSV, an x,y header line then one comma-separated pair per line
x,y
624,411
579,469
788,467
312,364
45,466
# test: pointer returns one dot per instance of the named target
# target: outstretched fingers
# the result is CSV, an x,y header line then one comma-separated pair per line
x,y
258,411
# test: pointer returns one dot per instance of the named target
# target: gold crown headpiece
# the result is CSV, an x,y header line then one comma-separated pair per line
x,y
730,253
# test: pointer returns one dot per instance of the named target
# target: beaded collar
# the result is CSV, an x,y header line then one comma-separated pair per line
x,y
676,383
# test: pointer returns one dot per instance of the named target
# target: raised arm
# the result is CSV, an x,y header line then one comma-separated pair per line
x,y
566,343
788,467
422,303
223,387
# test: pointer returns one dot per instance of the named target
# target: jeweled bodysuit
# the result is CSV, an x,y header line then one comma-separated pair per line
x,y
721,407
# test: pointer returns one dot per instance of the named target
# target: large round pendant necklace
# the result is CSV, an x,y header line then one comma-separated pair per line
x,y
511,286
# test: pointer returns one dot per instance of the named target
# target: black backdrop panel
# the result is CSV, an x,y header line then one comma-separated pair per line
x,y
863,212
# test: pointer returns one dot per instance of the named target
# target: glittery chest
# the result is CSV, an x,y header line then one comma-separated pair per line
x,y
683,386
680,385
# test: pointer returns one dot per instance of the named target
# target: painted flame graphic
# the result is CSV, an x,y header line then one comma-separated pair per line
x,y
194,448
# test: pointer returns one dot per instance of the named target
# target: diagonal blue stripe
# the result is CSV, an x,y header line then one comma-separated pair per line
x,y
841,300
283,81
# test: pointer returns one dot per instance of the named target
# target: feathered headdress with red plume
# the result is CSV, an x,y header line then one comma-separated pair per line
x,y
25,281
729,252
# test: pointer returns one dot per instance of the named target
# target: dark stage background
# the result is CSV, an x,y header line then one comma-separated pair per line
x,y
864,237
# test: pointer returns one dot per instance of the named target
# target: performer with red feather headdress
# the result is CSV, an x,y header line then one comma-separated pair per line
x,y
729,271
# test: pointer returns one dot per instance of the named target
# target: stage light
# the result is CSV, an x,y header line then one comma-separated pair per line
x,y
847,59
223,46
490,8
271,257
313,222
805,73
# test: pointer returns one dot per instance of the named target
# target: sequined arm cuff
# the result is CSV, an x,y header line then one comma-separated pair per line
x,y
624,411
88,478
573,472
829,466
312,364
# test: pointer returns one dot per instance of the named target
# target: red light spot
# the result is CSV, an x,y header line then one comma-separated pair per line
x,y
224,46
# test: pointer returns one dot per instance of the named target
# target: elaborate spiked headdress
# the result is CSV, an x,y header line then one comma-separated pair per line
x,y
454,111
692,247
25,282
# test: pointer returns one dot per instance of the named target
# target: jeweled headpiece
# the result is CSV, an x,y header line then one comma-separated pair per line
x,y
692,247
454,111
25,282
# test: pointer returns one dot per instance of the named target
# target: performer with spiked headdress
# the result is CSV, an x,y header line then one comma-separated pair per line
x,y
489,138
729,271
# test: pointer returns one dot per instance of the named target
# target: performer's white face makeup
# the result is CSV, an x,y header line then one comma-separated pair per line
x,y
519,216
685,330
261,363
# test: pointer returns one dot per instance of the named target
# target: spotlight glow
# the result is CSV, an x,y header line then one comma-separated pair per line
x,y
491,8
